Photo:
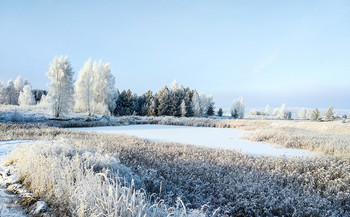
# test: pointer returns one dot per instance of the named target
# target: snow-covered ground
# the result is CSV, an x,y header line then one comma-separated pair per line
x,y
224,138
8,206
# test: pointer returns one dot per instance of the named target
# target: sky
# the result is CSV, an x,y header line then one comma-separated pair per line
x,y
269,52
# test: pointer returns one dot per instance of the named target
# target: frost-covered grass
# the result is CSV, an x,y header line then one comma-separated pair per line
x,y
84,182
330,138
237,184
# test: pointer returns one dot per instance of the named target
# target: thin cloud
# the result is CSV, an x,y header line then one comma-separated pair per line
x,y
259,68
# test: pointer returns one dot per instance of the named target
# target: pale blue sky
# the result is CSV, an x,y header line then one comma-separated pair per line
x,y
270,52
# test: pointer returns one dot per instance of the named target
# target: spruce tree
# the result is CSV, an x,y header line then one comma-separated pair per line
x,y
210,111
163,97
152,110
220,112
188,101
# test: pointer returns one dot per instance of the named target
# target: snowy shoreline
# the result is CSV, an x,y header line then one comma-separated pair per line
x,y
11,192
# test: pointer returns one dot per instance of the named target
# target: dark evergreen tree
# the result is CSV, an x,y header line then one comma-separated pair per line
x,y
210,111
234,113
177,97
136,110
220,112
124,104
145,102
38,94
188,102
164,102
142,106
152,110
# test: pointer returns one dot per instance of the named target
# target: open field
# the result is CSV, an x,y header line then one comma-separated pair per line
x,y
222,181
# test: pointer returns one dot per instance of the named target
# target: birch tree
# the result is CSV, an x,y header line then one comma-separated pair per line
x,y
196,105
103,89
60,96
26,96
302,113
329,115
183,108
83,89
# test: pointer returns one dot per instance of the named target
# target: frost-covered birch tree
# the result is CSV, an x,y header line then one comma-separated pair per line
x,y
19,84
315,115
84,95
196,105
2,93
60,95
302,113
183,108
10,94
329,115
267,110
205,102
103,89
26,96
275,112
282,112
237,109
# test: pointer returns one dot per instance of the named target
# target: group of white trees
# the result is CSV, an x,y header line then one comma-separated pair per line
x,y
328,116
94,89
92,92
18,92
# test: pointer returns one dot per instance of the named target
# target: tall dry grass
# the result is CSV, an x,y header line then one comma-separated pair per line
x,y
225,182
85,182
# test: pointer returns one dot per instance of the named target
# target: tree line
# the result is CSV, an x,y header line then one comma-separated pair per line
x,y
94,92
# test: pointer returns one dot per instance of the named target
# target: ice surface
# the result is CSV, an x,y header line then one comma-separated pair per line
x,y
224,138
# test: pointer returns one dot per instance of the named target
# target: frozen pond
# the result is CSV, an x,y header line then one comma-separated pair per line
x,y
224,138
